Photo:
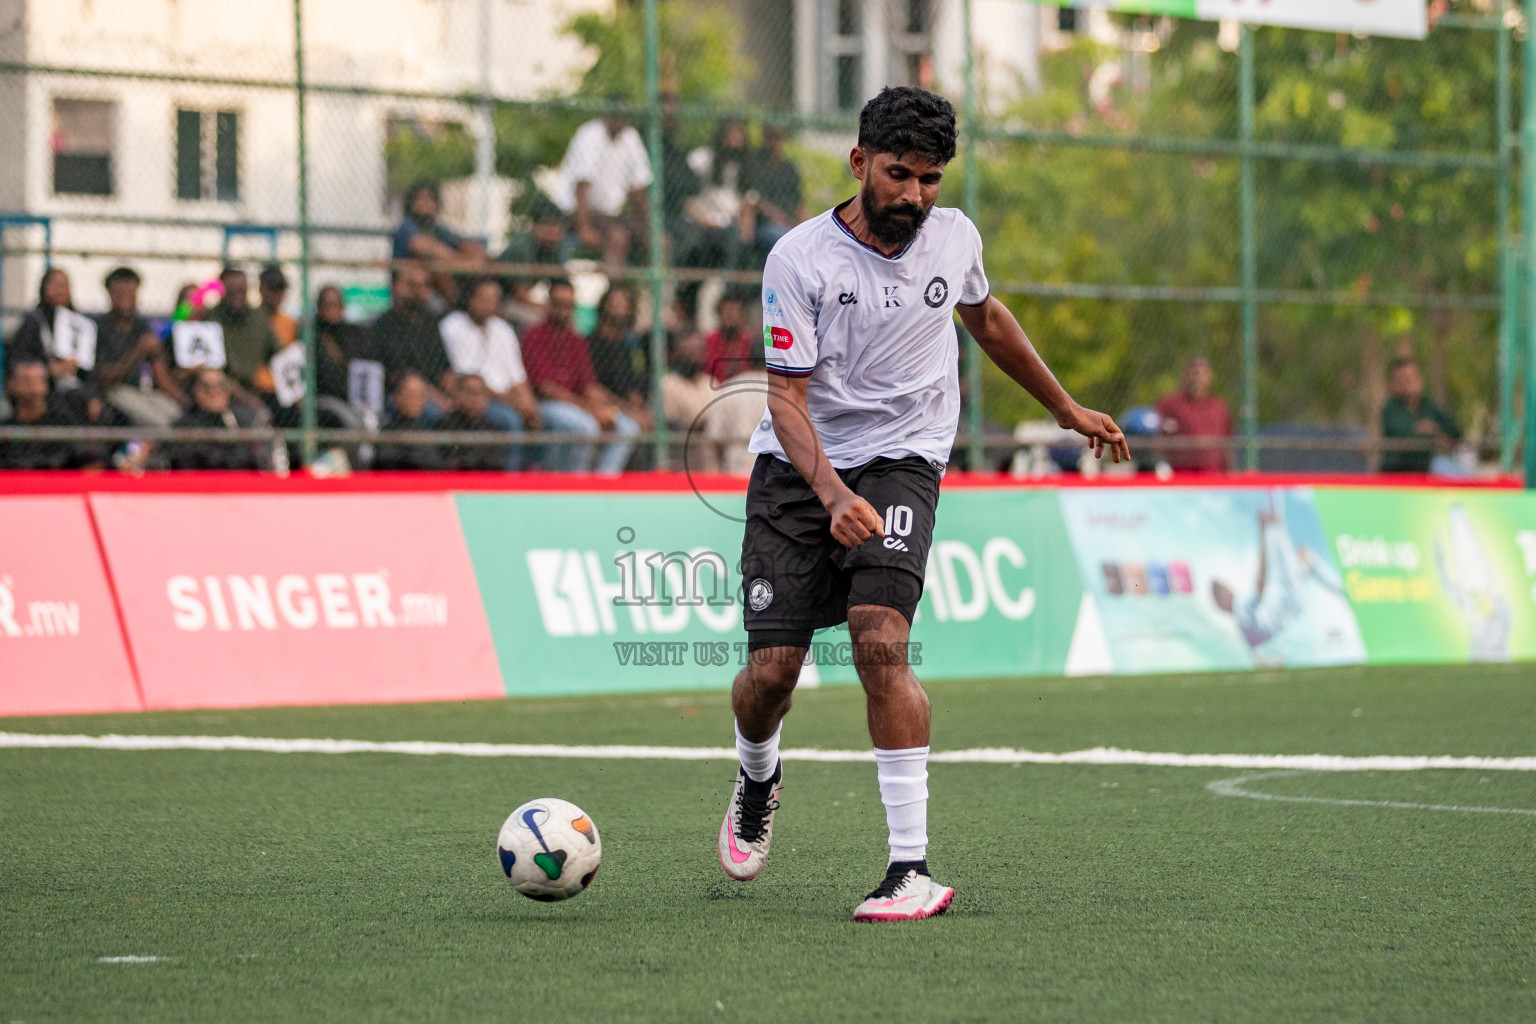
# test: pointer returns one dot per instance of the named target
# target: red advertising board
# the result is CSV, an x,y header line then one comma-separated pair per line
x,y
61,643
245,600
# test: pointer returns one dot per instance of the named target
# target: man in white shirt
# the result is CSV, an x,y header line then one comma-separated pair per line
x,y
863,405
480,342
603,182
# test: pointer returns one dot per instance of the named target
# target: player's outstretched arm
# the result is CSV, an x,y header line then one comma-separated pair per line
x,y
854,520
1006,344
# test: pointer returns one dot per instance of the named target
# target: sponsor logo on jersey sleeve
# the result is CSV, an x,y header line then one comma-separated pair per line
x,y
771,305
778,338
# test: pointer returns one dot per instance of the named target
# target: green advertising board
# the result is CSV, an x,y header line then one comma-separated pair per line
x,y
573,590
1437,575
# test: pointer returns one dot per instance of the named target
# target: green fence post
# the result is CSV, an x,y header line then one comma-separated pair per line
x,y
970,201
1250,255
307,321
658,254
1509,287
1527,216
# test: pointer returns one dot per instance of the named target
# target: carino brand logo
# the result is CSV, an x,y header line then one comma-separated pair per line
x,y
41,618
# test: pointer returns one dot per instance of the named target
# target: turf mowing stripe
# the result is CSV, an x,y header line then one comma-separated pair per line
x,y
983,755
1233,787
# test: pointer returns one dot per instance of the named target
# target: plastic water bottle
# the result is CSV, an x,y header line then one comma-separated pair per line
x,y
280,457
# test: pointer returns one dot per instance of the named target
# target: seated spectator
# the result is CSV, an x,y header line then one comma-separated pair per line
x,y
713,228
408,339
1193,411
571,398
410,401
272,286
546,243
686,389
33,340
735,410
480,342
132,371
772,191
1409,413
604,178
621,357
728,349
249,340
211,392
421,237
471,400
34,405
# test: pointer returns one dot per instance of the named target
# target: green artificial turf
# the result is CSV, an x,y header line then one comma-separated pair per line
x,y
365,887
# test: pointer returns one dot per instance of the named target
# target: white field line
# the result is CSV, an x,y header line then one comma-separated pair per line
x,y
983,755
1232,787
131,959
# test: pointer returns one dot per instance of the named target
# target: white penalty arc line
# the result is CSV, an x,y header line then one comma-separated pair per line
x,y
1232,787
981,755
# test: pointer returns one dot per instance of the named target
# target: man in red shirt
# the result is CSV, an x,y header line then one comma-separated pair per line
x,y
559,367
1193,411
728,351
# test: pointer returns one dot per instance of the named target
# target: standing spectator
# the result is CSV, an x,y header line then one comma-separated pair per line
x,y
621,357
408,339
471,400
33,405
337,343
33,340
571,398
545,243
482,343
272,286
421,237
248,338
211,410
132,372
605,174
1193,411
410,399
773,191
728,349
1409,413
735,411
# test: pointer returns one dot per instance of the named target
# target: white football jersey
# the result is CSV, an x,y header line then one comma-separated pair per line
x,y
875,334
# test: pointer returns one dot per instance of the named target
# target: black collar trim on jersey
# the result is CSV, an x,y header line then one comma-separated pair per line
x,y
837,210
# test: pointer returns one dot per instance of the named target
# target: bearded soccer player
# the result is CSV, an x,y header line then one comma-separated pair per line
x,y
858,324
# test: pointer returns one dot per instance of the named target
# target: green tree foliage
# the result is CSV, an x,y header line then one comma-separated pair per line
x,y
1071,214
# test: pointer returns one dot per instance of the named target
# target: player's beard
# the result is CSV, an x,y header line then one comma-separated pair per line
x,y
896,224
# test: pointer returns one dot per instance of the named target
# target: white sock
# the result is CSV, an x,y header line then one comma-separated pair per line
x,y
904,791
759,759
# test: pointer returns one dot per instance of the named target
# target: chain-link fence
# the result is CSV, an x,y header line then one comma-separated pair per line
x,y
449,220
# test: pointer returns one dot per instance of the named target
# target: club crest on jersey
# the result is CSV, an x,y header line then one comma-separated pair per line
x,y
760,594
936,292
777,337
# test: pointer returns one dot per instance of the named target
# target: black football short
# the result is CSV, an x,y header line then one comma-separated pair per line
x,y
797,579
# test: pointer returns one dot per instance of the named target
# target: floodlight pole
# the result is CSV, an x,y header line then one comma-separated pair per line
x,y
307,321
1528,233
1250,256
657,197
970,201
1509,283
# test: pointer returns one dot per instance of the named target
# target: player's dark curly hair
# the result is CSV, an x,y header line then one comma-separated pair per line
x,y
907,120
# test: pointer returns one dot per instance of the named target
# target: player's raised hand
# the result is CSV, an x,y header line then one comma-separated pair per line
x,y
1100,430
854,520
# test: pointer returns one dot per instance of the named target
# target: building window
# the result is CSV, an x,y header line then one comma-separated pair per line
x,y
911,63
82,147
844,51
208,155
1066,19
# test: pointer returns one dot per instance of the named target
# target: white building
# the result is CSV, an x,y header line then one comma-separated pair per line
x,y
121,140
128,158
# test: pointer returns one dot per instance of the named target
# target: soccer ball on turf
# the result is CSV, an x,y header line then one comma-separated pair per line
x,y
549,849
